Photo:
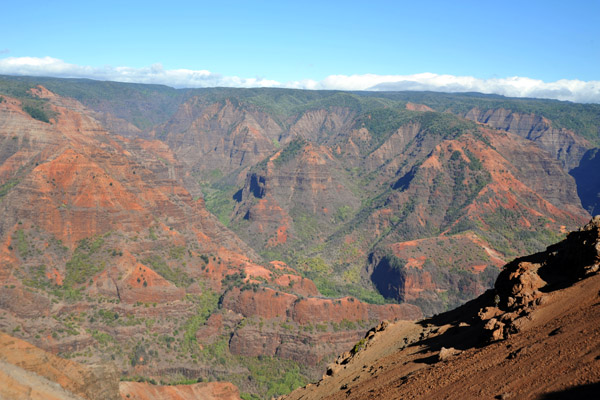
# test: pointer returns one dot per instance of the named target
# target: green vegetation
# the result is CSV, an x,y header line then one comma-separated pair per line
x,y
218,199
176,275
359,346
142,105
318,270
342,214
22,244
102,338
584,119
37,111
463,193
206,304
149,105
233,280
37,277
272,376
81,267
512,242
290,151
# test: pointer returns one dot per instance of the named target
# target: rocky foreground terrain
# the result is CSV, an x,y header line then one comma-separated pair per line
x,y
535,335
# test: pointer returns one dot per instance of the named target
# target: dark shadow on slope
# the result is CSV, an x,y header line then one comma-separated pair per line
x,y
257,186
589,391
402,183
237,196
587,180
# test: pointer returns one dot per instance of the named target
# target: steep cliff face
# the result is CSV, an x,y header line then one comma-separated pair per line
x,y
312,327
564,145
395,176
435,273
294,197
487,183
223,136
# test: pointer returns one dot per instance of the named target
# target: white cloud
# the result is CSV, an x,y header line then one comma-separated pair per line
x,y
572,90
48,66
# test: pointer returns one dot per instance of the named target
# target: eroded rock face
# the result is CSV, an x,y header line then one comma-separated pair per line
x,y
306,347
522,284
303,181
563,144
266,303
298,328
269,304
220,136
502,181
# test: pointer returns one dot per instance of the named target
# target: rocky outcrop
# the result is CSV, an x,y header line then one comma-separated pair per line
x,y
265,303
271,304
312,310
523,283
297,328
307,347
525,279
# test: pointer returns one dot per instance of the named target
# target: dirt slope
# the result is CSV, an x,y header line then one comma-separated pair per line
x,y
28,372
538,339
204,391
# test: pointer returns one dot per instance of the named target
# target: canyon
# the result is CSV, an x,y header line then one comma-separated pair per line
x,y
237,240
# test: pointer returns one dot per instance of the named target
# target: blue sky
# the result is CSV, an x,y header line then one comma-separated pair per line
x,y
303,43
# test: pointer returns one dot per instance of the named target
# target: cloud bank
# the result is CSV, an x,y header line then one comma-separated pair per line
x,y
571,90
